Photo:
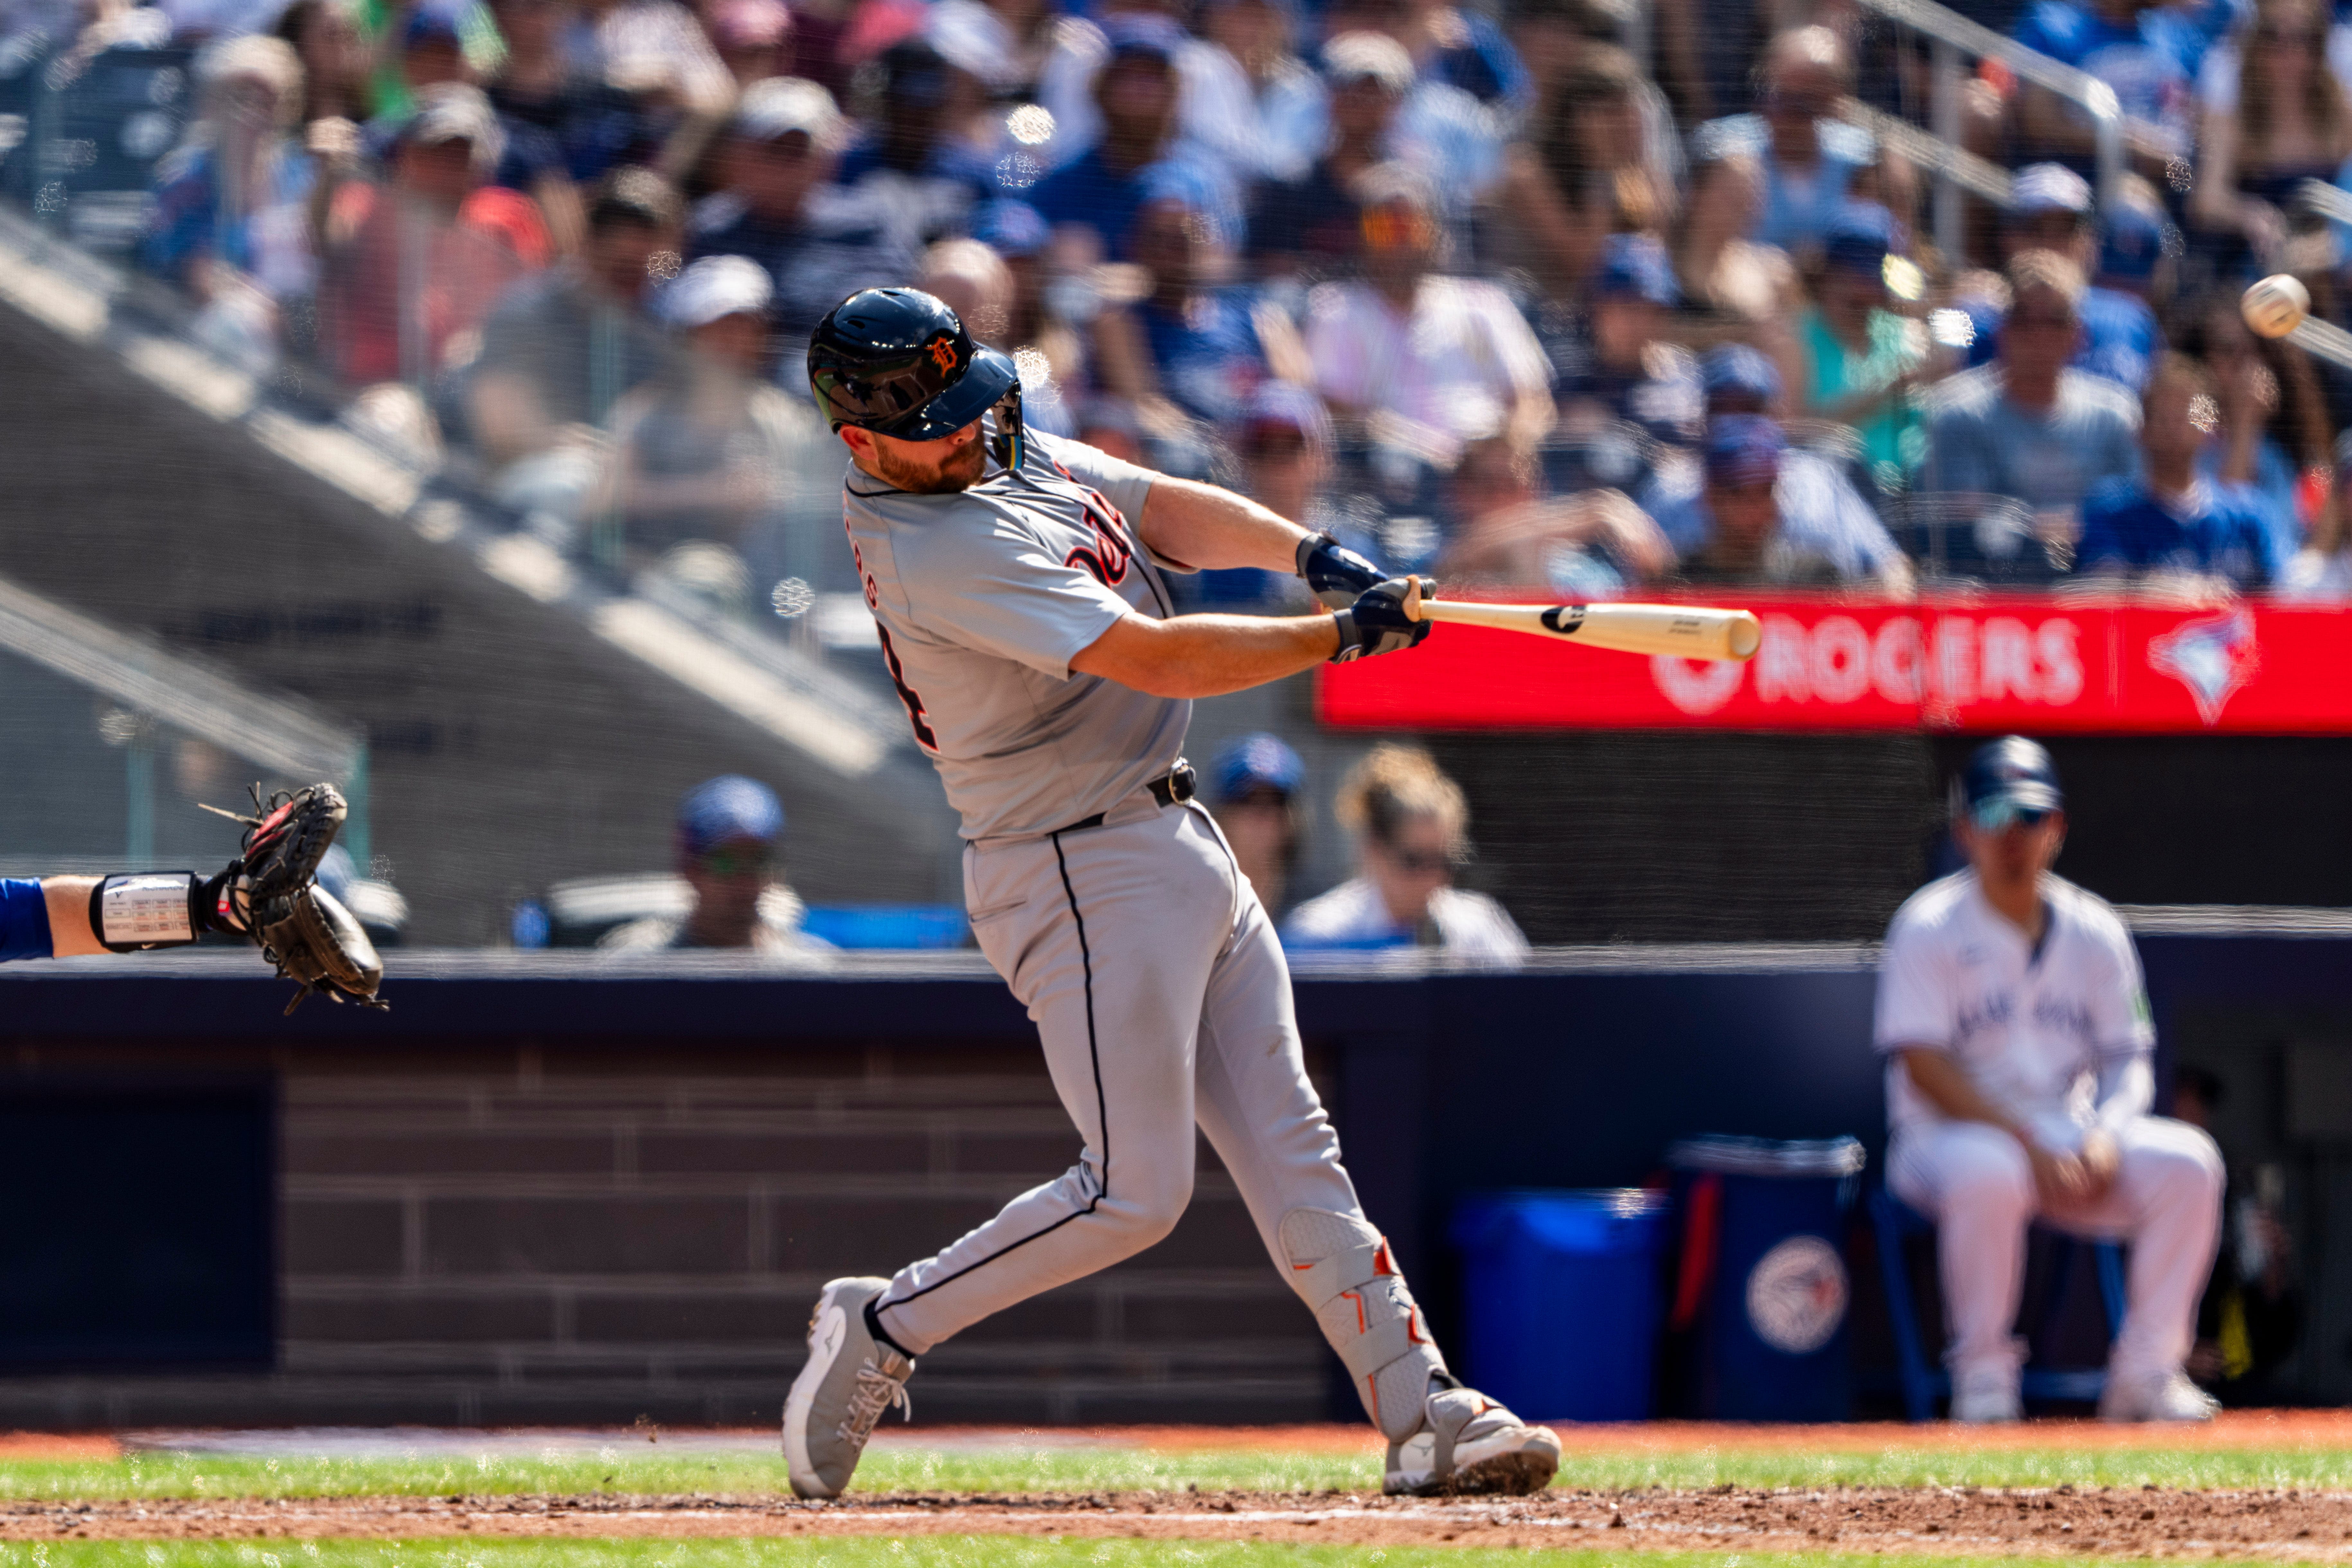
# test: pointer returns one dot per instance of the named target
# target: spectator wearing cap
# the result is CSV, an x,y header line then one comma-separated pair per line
x,y
705,451
1622,371
2172,527
1422,361
1741,534
910,168
2291,122
753,38
2028,425
1136,96
410,265
1310,223
1504,532
775,205
1283,440
562,348
1819,512
429,51
1004,43
1863,362
1254,787
1410,824
2052,210
1455,46
230,223
729,829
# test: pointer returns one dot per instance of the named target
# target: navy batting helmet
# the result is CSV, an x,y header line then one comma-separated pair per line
x,y
2010,780
896,361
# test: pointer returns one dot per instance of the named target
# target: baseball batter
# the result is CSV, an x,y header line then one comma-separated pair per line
x,y
2011,1005
1018,583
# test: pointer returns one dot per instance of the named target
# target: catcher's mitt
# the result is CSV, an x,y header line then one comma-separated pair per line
x,y
271,893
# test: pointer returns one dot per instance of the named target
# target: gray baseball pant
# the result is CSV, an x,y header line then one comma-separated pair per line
x,y
1163,1000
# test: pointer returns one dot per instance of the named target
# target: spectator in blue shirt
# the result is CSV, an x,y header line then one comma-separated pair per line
x,y
1745,537
1458,46
1813,161
1626,373
2172,521
1820,511
910,163
1103,189
2147,53
1201,341
2052,212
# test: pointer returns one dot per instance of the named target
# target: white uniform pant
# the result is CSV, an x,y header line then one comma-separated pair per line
x,y
1161,998
1976,1184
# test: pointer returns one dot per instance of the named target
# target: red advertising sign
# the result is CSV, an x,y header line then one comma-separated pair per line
x,y
2040,663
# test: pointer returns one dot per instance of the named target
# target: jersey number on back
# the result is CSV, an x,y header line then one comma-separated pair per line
x,y
1106,560
924,736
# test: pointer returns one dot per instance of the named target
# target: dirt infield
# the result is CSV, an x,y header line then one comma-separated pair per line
x,y
2275,1525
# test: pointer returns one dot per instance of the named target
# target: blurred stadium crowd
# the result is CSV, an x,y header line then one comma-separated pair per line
x,y
1492,295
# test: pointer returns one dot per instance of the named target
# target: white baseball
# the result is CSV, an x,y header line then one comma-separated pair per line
x,y
2276,306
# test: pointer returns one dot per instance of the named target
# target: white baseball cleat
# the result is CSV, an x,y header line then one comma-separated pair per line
x,y
1986,1397
849,1379
1467,1443
2155,1396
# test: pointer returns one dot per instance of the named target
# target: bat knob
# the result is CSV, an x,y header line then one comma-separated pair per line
x,y
1744,635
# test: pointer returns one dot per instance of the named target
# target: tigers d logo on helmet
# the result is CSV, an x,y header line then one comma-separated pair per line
x,y
943,352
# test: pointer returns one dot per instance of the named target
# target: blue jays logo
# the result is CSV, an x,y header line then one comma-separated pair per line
x,y
2213,656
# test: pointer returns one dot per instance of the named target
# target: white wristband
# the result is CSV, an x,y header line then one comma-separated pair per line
x,y
147,910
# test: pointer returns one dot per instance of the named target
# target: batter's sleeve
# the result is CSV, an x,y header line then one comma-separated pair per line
x,y
24,919
1914,1003
1124,485
1000,593
2121,1022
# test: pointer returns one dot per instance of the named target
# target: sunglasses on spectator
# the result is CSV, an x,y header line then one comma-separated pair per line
x,y
1276,442
1391,229
727,862
1425,862
2046,319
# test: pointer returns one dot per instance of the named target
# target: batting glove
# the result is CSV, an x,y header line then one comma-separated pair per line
x,y
1334,572
1376,622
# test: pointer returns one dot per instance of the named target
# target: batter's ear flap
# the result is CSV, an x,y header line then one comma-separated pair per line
x,y
1010,444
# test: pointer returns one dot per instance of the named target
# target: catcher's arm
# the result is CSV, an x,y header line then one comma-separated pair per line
x,y
269,894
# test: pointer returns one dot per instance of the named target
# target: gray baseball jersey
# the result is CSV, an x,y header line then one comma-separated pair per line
x,y
983,598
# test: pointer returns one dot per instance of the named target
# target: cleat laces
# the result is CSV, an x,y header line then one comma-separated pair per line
x,y
877,1391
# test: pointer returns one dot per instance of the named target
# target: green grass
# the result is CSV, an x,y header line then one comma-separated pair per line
x,y
921,1551
642,1468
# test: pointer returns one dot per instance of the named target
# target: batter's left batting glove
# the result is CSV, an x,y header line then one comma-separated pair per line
x,y
1376,622
1336,573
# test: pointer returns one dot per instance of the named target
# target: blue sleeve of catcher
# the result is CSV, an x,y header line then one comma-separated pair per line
x,y
24,919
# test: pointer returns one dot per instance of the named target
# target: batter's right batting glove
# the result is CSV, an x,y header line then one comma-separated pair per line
x,y
1376,622
1336,573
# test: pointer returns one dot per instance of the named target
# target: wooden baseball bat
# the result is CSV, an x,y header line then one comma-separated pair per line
x,y
1684,631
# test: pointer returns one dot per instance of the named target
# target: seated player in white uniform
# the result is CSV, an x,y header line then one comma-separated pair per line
x,y
2019,1080
1018,583
1413,829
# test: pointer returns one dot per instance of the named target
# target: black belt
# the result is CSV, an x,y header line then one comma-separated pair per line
x,y
1181,785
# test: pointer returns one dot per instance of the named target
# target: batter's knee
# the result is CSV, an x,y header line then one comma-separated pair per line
x,y
1144,1215
2181,1158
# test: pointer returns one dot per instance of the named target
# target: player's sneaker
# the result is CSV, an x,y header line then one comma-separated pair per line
x,y
1986,1397
849,1379
1467,1443
2160,1396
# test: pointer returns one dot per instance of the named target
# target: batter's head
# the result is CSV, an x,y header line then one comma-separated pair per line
x,y
897,362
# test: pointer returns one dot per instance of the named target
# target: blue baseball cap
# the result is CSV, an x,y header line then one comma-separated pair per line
x,y
1255,761
2134,241
1011,227
427,24
1143,37
2010,780
1744,449
1860,237
1635,267
1737,371
728,809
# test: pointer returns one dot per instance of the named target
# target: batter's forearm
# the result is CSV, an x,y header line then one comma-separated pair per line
x,y
68,901
1208,656
2127,1091
1215,530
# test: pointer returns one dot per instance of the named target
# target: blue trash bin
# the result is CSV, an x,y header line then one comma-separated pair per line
x,y
1763,1291
1562,1293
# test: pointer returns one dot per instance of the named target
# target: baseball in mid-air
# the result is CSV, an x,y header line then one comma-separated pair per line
x,y
2276,306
